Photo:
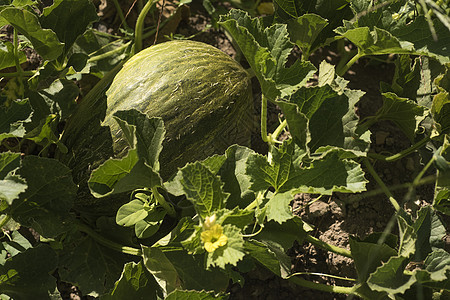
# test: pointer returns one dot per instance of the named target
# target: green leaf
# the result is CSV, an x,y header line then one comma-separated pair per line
x,y
192,295
233,173
304,30
69,19
7,57
48,197
137,169
438,264
283,234
237,217
264,174
201,187
150,225
27,274
390,277
405,113
59,98
442,201
418,33
147,133
407,77
161,268
334,11
408,238
8,162
369,256
272,256
327,175
193,275
266,50
375,42
17,244
94,43
278,209
45,134
11,186
135,282
440,110
91,267
44,41
13,118
230,253
132,171
131,213
336,105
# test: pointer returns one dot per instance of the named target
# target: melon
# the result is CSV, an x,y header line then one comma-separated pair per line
x,y
203,96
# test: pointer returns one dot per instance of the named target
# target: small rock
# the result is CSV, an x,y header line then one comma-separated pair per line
x,y
410,166
380,137
336,209
318,209
390,141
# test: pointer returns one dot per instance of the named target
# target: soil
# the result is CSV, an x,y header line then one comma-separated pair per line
x,y
335,217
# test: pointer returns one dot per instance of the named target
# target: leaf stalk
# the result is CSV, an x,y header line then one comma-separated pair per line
x,y
380,182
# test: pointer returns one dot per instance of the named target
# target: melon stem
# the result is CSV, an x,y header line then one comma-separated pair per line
x,y
140,26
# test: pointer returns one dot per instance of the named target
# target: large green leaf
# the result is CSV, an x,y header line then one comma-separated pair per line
x,y
90,266
265,174
304,30
390,277
162,269
231,167
272,257
201,187
369,256
330,174
194,276
375,42
68,19
334,11
267,50
135,282
48,198
27,274
146,133
405,113
418,33
44,41
137,168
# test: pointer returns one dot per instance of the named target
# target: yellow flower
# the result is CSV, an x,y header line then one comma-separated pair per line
x,y
213,238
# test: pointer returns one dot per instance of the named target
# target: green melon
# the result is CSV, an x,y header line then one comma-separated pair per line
x,y
203,96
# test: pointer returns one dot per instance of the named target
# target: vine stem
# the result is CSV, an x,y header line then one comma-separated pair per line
x,y
328,247
161,200
401,154
106,242
140,26
381,184
264,135
17,74
121,16
350,63
323,287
